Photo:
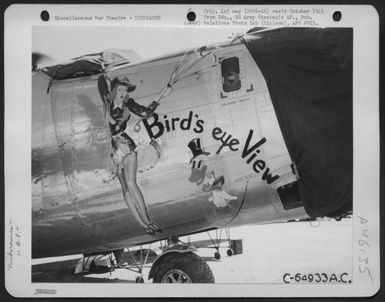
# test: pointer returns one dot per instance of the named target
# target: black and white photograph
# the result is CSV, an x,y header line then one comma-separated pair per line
x,y
197,145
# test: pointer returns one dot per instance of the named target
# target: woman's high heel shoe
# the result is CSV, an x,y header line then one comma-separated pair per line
x,y
155,228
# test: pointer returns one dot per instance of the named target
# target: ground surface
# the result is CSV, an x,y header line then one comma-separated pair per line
x,y
269,251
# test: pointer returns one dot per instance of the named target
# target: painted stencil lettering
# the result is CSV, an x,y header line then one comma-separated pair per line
x,y
250,152
156,126
225,139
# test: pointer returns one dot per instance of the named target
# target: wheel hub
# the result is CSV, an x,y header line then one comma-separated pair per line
x,y
176,276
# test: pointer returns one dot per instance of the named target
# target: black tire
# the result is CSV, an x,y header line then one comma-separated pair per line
x,y
230,252
139,280
182,268
217,255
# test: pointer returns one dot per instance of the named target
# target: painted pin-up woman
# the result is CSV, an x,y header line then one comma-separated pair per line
x,y
119,108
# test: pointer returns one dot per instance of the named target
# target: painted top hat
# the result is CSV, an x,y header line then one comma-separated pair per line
x,y
196,148
125,82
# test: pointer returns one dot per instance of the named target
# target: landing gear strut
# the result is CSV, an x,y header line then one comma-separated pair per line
x,y
138,265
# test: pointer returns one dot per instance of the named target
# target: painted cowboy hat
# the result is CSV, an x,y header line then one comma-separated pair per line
x,y
196,148
125,82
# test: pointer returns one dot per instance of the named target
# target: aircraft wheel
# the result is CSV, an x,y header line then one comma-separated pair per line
x,y
139,279
230,252
182,268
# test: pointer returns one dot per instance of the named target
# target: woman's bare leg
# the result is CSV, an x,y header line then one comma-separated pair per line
x,y
128,201
130,170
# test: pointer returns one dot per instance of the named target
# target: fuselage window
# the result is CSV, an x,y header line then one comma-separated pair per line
x,y
230,74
